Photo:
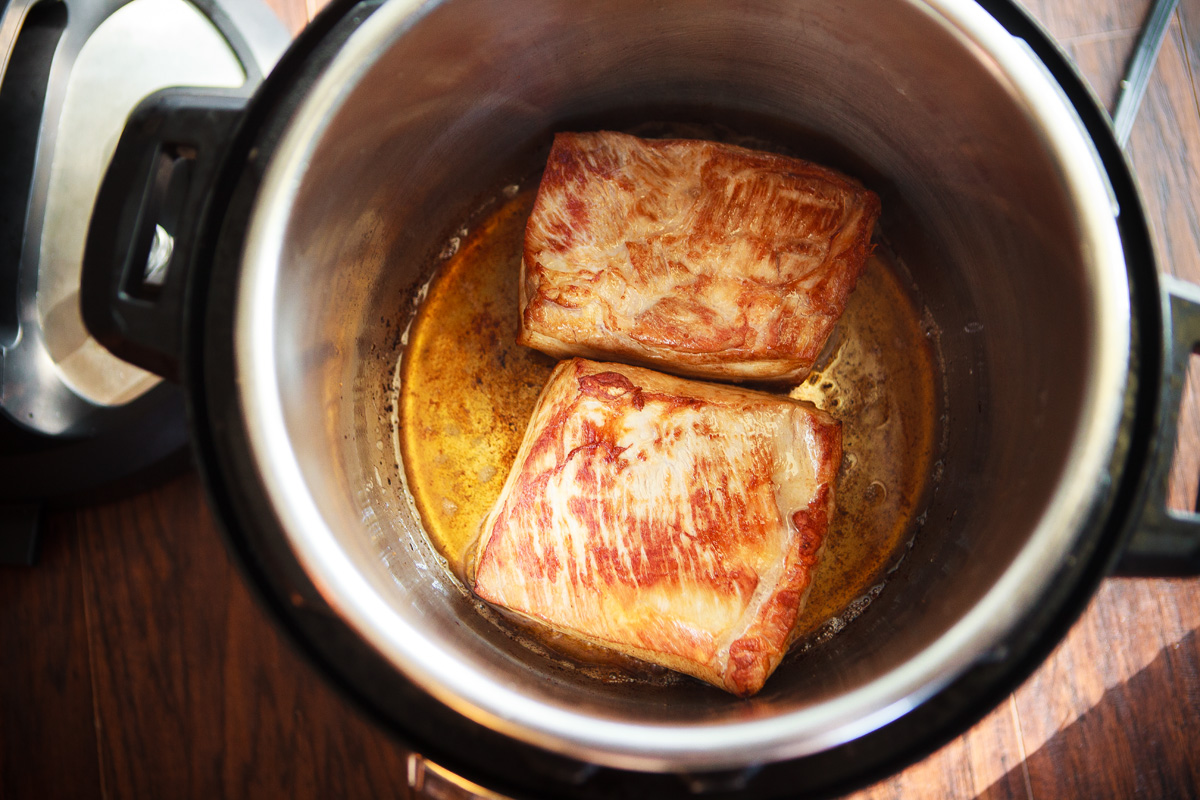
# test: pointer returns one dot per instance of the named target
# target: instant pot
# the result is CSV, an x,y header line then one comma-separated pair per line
x,y
268,253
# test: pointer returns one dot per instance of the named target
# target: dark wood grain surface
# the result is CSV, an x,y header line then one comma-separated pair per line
x,y
134,662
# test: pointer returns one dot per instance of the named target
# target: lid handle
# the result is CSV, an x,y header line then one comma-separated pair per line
x,y
145,232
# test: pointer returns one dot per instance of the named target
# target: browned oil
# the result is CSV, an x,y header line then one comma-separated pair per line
x,y
880,380
467,391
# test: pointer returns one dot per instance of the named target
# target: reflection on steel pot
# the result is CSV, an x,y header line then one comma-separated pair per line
x,y
321,208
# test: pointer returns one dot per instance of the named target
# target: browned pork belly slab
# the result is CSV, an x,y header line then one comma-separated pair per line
x,y
674,521
698,258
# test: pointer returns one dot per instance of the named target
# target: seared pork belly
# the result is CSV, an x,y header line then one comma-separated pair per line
x,y
674,521
694,257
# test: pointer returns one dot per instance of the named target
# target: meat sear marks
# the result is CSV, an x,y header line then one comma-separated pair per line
x,y
698,258
675,521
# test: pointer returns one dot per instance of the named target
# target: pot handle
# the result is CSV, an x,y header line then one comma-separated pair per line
x,y
1167,543
143,236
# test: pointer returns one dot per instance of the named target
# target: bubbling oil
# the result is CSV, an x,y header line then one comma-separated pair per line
x,y
878,378
466,391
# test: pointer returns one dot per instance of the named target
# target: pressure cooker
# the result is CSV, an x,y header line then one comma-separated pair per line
x,y
268,253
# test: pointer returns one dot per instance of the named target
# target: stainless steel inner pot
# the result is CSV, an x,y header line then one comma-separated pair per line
x,y
991,196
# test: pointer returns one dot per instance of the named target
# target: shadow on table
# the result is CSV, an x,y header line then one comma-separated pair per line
x,y
1115,751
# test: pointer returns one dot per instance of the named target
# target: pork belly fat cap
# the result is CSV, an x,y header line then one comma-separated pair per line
x,y
697,258
674,521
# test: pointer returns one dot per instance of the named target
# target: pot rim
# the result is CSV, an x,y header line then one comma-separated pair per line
x,y
668,747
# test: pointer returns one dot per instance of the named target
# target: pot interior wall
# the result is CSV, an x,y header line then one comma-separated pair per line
x,y
973,205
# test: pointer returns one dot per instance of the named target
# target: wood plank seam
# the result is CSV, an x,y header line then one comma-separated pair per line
x,y
1099,36
1187,58
1024,756
88,626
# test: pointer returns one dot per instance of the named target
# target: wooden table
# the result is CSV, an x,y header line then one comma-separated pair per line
x,y
134,663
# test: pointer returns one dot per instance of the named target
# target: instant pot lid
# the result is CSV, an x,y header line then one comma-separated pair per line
x,y
73,417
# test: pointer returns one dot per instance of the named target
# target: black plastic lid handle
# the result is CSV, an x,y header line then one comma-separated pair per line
x,y
1167,542
144,230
